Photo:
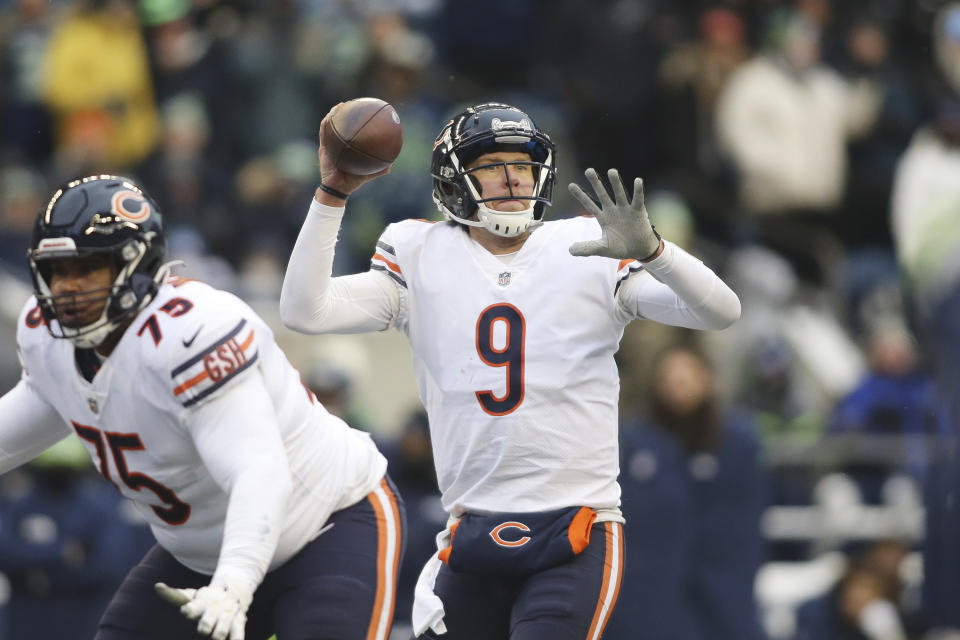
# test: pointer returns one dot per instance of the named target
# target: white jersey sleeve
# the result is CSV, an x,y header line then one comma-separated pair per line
x,y
28,423
311,301
238,438
677,289
28,426
222,351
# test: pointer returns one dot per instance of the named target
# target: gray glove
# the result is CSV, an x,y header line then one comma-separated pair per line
x,y
627,232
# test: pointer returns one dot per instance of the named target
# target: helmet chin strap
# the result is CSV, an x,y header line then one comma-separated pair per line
x,y
507,224
93,334
90,338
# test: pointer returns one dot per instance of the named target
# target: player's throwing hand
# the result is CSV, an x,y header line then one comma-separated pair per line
x,y
221,610
627,232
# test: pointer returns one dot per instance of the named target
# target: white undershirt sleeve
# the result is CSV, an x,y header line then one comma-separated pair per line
x,y
311,301
682,292
28,426
238,437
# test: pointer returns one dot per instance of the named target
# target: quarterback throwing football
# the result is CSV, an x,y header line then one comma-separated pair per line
x,y
188,406
513,339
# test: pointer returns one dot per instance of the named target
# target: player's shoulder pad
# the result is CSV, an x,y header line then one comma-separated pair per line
x,y
30,316
625,270
406,231
211,339
393,243
31,327
570,230
585,224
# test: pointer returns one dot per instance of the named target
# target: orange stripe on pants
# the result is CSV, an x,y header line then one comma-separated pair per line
x,y
612,575
389,546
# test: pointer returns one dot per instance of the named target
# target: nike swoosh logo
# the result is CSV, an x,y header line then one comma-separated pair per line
x,y
189,342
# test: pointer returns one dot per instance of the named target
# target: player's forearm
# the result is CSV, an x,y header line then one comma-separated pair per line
x,y
239,441
708,303
305,285
28,426
313,302
252,527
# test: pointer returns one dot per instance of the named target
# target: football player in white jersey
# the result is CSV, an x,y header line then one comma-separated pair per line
x,y
513,324
188,406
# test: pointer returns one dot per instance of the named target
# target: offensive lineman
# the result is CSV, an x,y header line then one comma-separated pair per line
x,y
513,341
188,406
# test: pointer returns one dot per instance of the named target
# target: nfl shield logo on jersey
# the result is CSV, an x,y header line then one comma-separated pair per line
x,y
93,405
504,279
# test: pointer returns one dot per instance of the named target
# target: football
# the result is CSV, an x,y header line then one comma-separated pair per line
x,y
362,136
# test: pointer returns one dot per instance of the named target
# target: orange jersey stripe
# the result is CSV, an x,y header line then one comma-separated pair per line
x,y
613,562
381,619
197,379
616,591
200,377
393,267
607,562
381,561
396,556
624,263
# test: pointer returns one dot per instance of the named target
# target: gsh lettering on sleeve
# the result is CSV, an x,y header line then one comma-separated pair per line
x,y
224,360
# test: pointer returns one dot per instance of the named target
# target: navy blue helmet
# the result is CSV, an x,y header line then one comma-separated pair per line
x,y
105,215
482,129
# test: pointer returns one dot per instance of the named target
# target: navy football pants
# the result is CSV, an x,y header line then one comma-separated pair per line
x,y
572,601
341,586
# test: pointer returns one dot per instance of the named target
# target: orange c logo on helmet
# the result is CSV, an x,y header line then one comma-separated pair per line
x,y
495,534
130,205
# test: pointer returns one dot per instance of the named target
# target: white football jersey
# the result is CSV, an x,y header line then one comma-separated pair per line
x,y
514,363
189,345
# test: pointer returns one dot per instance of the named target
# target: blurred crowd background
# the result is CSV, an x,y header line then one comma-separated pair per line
x,y
792,477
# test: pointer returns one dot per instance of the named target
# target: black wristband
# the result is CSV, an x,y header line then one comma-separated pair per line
x,y
659,242
334,192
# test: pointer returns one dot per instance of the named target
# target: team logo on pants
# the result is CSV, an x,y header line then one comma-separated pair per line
x,y
500,528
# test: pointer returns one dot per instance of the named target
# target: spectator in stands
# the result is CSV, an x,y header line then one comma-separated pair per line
x,y
926,229
785,119
693,491
869,52
895,401
25,124
689,81
22,191
184,172
865,604
98,86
